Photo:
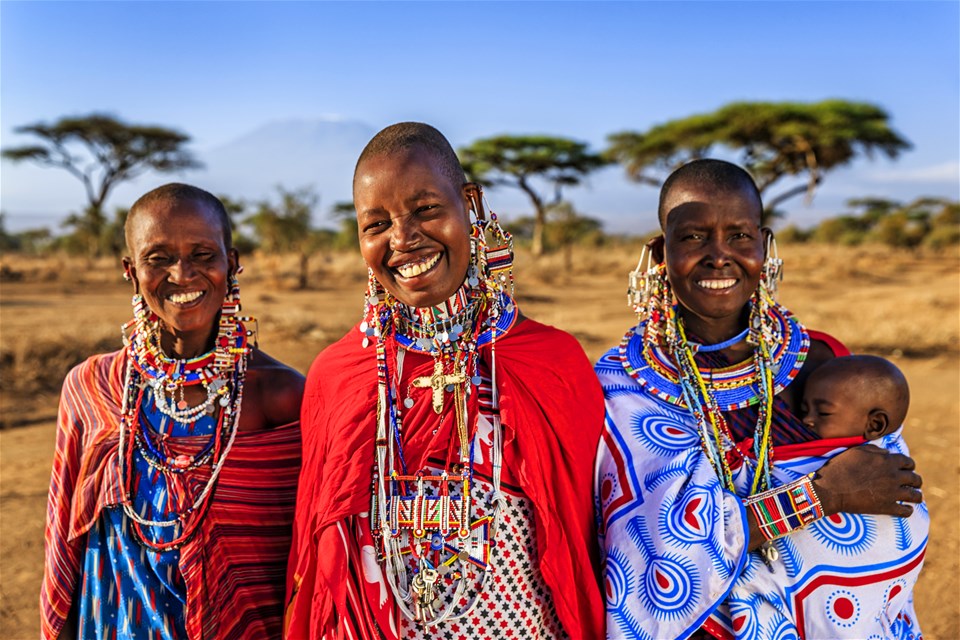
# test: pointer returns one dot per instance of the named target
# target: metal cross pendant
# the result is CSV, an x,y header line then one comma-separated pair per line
x,y
438,382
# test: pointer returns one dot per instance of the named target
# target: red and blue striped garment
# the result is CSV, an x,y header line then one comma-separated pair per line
x,y
232,570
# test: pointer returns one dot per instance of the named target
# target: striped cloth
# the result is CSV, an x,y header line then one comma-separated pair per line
x,y
234,566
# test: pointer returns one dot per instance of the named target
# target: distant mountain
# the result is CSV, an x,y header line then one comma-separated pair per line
x,y
294,153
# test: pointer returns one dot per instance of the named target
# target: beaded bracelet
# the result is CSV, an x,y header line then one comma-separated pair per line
x,y
785,509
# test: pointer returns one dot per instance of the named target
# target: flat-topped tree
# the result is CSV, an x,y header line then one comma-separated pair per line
x,y
772,140
102,151
522,161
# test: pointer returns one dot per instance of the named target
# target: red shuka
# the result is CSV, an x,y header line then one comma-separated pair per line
x,y
551,408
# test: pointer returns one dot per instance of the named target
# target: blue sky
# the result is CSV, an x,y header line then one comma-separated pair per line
x,y
218,70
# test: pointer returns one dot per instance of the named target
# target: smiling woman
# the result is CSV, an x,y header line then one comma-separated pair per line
x,y
722,513
163,447
473,521
414,225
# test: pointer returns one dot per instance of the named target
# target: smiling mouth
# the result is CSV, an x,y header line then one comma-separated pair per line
x,y
185,298
413,269
717,285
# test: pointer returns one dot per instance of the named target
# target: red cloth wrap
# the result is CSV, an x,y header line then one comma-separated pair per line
x,y
551,408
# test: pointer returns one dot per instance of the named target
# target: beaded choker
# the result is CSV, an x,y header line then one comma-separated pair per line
x,y
672,374
732,387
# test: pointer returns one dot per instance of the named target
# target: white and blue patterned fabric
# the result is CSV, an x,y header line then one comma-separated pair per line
x,y
674,540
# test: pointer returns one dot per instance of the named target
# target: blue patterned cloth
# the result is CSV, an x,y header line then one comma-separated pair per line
x,y
674,540
129,591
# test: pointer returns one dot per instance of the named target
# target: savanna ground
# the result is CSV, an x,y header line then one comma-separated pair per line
x,y
905,306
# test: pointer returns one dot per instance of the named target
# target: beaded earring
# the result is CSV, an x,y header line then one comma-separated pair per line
x,y
772,265
763,326
650,296
490,261
144,320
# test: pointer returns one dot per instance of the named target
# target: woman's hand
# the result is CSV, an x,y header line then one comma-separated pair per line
x,y
868,479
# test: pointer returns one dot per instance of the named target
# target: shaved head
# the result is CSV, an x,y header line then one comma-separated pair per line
x,y
400,137
173,193
717,175
878,382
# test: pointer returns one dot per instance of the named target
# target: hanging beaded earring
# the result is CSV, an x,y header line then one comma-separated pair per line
x,y
493,259
763,325
650,296
772,265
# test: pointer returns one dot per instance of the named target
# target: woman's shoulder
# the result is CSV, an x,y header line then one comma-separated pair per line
x,y
98,369
279,388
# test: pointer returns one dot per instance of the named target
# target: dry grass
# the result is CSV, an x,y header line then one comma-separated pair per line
x,y
56,311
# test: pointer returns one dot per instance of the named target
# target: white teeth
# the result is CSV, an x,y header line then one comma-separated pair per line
x,y
415,269
183,298
717,284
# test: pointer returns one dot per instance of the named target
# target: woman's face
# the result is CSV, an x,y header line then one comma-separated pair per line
x,y
181,266
713,247
414,226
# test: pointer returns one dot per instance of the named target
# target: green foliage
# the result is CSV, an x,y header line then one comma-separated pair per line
x,y
930,222
102,152
793,234
772,140
525,161
345,237
285,226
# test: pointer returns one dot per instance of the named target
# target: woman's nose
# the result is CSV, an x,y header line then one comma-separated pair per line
x,y
182,271
405,233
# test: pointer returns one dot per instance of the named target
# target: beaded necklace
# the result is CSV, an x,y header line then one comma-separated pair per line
x,y
444,536
671,373
221,372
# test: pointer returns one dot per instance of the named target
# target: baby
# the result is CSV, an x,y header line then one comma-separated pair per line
x,y
855,396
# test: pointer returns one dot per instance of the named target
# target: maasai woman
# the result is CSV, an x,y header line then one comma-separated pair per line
x,y
448,441
716,514
171,501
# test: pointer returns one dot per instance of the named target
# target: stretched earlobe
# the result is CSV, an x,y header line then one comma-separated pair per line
x,y
655,247
474,194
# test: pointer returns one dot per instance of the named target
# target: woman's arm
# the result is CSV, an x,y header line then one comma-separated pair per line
x,y
864,479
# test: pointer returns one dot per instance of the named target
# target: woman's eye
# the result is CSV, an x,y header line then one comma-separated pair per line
x,y
375,227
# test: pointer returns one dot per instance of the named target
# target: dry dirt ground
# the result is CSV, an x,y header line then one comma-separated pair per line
x,y
900,305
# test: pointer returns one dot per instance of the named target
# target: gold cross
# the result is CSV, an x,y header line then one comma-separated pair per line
x,y
438,382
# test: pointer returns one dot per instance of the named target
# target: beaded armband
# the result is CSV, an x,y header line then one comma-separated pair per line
x,y
785,509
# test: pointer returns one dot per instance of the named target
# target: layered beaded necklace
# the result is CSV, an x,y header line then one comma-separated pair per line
x,y
670,372
434,534
221,372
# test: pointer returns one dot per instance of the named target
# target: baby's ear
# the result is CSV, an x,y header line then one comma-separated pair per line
x,y
878,423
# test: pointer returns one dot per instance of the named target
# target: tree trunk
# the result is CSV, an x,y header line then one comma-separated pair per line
x,y
304,271
539,222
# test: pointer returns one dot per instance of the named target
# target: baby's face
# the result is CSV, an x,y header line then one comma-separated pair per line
x,y
833,407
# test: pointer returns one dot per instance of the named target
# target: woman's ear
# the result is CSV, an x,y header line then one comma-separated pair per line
x,y
233,261
130,273
655,247
878,424
768,240
474,195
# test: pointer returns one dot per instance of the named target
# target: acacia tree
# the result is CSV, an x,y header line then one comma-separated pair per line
x,y
521,161
285,226
772,139
102,152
